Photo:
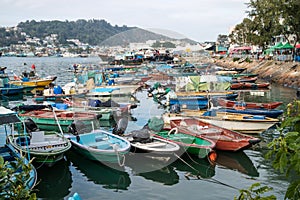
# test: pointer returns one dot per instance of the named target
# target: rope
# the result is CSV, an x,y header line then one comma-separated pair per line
x,y
212,180
115,147
185,162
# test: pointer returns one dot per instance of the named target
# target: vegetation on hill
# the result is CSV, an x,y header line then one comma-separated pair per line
x,y
92,32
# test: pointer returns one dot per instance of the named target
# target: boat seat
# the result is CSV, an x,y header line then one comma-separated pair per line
x,y
87,138
101,145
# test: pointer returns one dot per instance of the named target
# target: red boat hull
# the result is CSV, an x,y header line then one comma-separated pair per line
x,y
225,139
231,104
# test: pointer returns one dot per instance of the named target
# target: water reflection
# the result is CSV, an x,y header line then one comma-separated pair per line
x,y
151,167
194,167
237,161
101,174
54,182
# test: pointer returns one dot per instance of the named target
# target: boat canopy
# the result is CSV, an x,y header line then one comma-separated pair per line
x,y
8,116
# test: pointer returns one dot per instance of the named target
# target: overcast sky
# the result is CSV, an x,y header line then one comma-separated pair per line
x,y
200,20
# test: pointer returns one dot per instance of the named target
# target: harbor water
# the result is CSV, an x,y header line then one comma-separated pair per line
x,y
185,178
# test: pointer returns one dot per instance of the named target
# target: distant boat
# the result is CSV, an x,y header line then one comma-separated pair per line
x,y
247,85
37,82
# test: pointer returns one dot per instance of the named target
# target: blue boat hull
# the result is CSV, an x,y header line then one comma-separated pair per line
x,y
274,113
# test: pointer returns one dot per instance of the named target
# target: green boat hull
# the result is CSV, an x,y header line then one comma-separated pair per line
x,y
192,145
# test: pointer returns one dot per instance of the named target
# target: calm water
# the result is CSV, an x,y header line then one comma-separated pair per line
x,y
150,179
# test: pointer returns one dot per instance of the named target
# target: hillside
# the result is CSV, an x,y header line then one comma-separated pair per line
x,y
92,32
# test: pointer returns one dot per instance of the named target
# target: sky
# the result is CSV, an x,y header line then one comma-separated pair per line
x,y
199,20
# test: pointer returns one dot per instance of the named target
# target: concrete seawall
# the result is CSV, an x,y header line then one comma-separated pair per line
x,y
280,72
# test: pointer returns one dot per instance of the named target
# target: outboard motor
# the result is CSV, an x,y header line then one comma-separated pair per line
x,y
77,127
121,126
142,136
30,125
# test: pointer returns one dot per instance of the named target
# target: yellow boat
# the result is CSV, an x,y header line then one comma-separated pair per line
x,y
41,82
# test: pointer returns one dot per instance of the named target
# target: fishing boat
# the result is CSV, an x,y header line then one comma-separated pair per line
x,y
225,139
231,104
48,119
28,140
100,145
37,82
243,123
12,157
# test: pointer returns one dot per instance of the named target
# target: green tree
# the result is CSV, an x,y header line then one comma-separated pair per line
x,y
285,150
12,185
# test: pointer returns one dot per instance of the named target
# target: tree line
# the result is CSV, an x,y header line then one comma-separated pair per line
x,y
267,19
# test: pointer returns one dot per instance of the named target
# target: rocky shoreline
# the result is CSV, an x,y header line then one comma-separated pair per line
x,y
283,73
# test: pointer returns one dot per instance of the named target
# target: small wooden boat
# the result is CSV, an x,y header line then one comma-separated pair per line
x,y
12,157
200,146
247,85
143,142
225,139
46,120
243,123
100,145
231,104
